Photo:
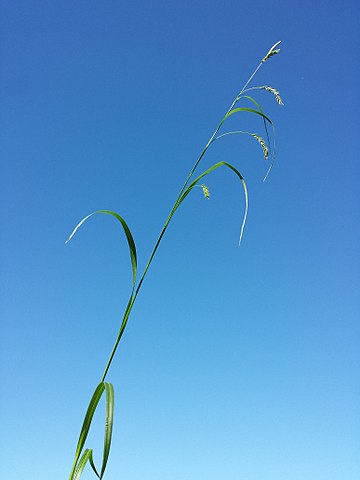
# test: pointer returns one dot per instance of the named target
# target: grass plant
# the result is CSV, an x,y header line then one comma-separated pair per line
x,y
83,455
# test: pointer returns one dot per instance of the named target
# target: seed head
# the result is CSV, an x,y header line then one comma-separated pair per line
x,y
273,51
274,92
262,143
206,191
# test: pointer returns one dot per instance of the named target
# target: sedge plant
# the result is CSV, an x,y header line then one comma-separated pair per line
x,y
85,455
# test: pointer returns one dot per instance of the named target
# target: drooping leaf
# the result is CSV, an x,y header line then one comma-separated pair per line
x,y
244,109
129,237
253,101
211,169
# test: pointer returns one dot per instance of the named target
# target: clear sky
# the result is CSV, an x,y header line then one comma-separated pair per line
x,y
238,363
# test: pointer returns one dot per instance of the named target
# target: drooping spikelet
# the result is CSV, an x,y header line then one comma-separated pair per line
x,y
206,191
262,143
274,92
273,51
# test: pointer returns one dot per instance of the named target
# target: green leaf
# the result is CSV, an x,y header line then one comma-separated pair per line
x,y
243,109
214,167
91,461
129,237
86,426
109,419
87,455
253,101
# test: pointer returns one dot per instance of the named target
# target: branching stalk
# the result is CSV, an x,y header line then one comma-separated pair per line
x,y
84,456
174,208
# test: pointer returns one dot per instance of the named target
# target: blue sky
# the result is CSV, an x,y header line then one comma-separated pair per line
x,y
238,363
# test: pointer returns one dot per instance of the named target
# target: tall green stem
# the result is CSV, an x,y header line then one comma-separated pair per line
x,y
135,292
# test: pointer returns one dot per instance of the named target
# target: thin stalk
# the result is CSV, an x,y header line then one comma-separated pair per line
x,y
233,133
253,88
135,293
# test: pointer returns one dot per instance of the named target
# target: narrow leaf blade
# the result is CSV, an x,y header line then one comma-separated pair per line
x,y
251,110
211,169
128,234
87,455
109,420
253,101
